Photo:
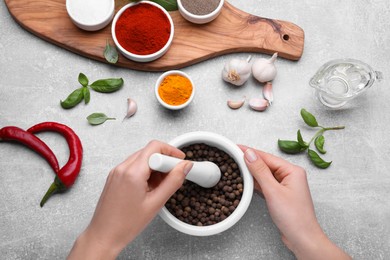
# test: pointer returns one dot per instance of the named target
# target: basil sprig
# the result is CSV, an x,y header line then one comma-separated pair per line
x,y
107,85
83,80
294,147
73,99
169,5
317,160
102,85
98,118
319,143
110,53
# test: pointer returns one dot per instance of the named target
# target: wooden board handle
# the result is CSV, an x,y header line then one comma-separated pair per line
x,y
237,31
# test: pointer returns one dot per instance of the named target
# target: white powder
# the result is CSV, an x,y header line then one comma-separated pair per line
x,y
89,11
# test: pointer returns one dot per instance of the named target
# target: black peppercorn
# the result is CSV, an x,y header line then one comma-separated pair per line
x,y
199,206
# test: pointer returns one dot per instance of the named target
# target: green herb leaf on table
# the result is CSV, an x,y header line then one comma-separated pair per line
x,y
73,99
169,5
110,53
102,85
98,118
291,147
317,160
83,80
309,119
107,85
319,143
87,95
300,139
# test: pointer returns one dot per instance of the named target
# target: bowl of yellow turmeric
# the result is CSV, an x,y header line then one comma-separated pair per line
x,y
174,90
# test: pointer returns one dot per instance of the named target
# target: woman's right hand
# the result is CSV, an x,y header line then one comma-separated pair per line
x,y
287,195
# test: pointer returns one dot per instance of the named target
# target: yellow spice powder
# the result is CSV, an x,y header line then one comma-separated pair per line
x,y
175,90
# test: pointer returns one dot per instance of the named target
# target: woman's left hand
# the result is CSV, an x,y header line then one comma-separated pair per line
x,y
131,198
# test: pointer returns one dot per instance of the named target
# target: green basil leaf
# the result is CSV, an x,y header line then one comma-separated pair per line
x,y
110,53
291,147
169,5
319,143
73,99
87,95
107,85
309,119
98,118
300,139
317,160
83,80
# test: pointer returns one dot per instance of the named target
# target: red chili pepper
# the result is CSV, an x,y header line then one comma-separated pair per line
x,y
68,173
13,133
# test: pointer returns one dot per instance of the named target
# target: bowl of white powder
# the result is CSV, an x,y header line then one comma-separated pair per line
x,y
90,15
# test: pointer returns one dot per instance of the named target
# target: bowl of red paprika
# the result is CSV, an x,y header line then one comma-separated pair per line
x,y
142,31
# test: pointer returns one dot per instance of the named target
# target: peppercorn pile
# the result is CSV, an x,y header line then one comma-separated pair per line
x,y
199,206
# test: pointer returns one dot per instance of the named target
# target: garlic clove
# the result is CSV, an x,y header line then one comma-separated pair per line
x,y
273,58
267,92
237,71
236,104
264,70
258,104
131,108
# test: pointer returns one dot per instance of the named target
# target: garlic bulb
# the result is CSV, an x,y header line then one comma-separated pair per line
x,y
237,71
264,69
236,104
258,104
267,92
131,108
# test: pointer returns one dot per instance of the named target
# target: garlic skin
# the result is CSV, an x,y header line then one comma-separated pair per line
x,y
258,104
267,92
131,108
264,70
236,104
237,71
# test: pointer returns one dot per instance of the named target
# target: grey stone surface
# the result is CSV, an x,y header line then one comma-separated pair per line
x,y
351,197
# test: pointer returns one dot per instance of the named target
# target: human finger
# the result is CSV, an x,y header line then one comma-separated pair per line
x,y
279,167
170,184
257,186
158,147
139,160
243,147
260,171
154,146
163,148
273,162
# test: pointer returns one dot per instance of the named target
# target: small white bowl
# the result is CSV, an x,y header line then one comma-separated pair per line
x,y
138,57
90,15
235,152
199,19
161,78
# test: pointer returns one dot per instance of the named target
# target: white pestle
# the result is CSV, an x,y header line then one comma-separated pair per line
x,y
205,174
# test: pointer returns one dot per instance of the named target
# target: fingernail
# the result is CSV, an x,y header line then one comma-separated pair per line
x,y
188,168
250,155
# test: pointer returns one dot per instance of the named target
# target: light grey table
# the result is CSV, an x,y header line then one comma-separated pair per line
x,y
352,197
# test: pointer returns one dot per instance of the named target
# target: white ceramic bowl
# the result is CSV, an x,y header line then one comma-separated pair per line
x,y
90,15
138,57
235,152
199,19
162,102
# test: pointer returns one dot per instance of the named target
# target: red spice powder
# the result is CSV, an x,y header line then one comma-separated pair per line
x,y
143,29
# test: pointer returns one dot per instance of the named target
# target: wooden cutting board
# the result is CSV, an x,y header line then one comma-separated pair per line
x,y
232,31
